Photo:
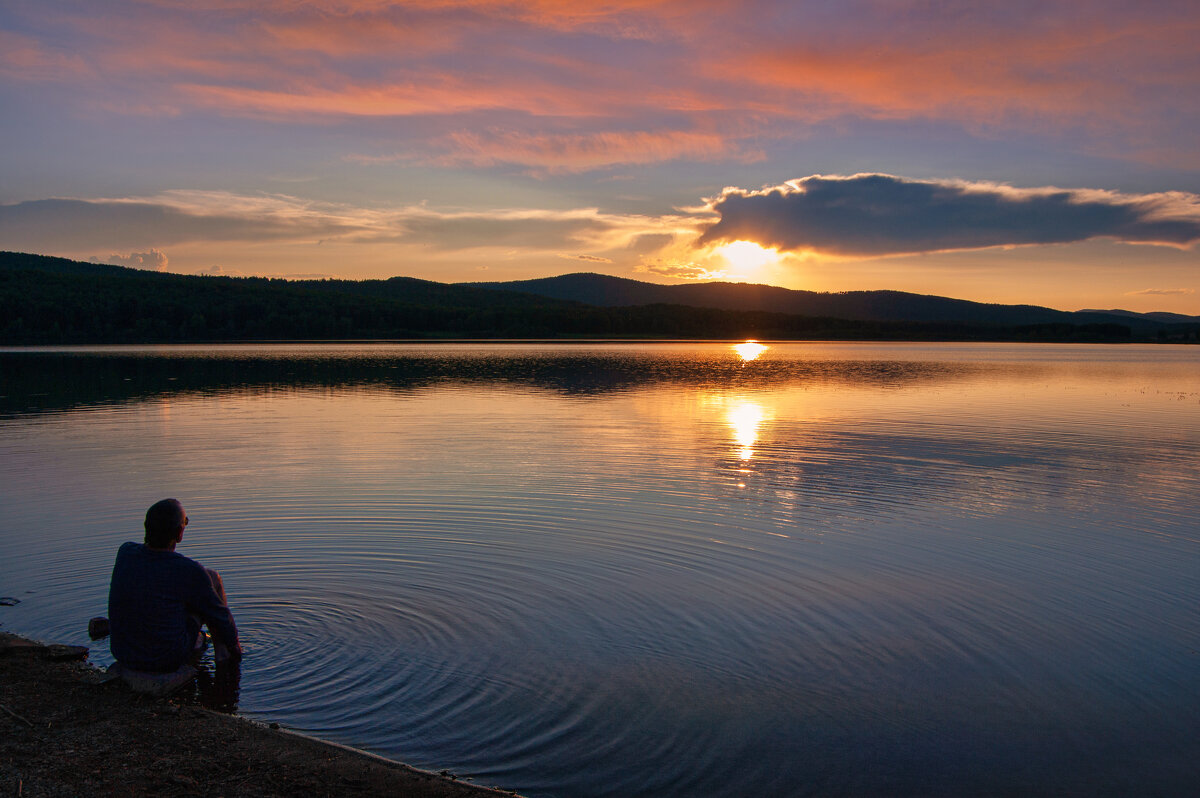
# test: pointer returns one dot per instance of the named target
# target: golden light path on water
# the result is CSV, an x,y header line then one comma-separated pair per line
x,y
750,350
744,416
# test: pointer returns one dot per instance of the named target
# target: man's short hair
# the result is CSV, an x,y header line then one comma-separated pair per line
x,y
163,520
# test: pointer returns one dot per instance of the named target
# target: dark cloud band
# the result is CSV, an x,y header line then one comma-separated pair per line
x,y
185,217
73,224
876,215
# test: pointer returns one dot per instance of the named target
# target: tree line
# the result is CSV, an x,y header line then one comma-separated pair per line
x,y
47,301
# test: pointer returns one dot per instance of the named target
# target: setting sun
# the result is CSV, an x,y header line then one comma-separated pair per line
x,y
746,256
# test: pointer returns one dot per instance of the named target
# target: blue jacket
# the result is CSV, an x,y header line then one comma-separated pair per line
x,y
154,600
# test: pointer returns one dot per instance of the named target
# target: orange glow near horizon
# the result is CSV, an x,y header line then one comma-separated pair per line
x,y
747,257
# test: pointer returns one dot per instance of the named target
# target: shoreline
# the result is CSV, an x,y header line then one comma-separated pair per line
x,y
63,731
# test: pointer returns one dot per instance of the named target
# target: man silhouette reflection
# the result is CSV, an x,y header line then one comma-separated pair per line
x,y
158,600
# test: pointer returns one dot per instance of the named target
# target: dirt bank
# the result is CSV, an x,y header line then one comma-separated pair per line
x,y
64,733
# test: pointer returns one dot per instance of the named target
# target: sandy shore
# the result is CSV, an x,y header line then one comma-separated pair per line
x,y
65,733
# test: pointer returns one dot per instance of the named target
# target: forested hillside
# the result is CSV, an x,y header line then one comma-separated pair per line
x,y
608,291
56,301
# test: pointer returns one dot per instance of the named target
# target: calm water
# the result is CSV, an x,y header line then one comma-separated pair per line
x,y
657,570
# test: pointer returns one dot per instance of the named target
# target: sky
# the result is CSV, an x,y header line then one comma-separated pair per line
x,y
1040,152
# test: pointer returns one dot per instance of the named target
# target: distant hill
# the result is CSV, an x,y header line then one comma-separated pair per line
x,y
407,290
605,291
1166,318
46,300
55,300
47,263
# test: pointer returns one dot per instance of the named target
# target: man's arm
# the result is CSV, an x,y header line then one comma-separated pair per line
x,y
209,602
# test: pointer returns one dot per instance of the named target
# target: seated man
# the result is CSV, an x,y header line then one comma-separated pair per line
x,y
158,599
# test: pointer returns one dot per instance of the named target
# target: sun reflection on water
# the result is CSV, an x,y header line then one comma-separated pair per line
x,y
745,418
750,350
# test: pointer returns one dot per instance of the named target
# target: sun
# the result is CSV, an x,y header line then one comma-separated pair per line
x,y
746,257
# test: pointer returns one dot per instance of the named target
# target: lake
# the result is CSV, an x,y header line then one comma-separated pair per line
x,y
656,569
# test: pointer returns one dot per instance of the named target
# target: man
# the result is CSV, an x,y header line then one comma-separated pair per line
x,y
157,600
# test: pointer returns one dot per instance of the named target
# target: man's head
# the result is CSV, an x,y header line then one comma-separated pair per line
x,y
165,521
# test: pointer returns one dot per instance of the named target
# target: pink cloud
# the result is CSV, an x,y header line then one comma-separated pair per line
x,y
1162,292
662,69
418,94
588,258
25,58
584,151
612,16
358,36
1062,73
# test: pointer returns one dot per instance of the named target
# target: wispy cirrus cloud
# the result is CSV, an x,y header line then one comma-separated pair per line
x,y
183,217
1051,62
684,76
418,95
624,18
577,152
26,58
871,215
170,218
533,230
1162,292
585,258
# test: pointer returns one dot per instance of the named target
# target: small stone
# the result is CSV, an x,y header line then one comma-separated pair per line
x,y
57,653
11,641
98,628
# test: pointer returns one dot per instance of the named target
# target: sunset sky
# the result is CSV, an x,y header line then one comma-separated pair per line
x,y
1027,152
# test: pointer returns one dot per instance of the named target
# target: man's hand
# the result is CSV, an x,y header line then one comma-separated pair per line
x,y
227,655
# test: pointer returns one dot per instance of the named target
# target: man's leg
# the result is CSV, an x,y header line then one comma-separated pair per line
x,y
220,650
200,641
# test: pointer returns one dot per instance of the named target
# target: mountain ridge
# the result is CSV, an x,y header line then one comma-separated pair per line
x,y
879,305
49,300
601,290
